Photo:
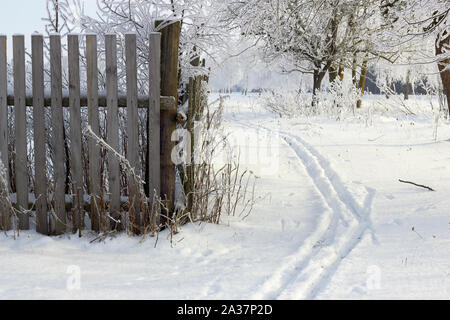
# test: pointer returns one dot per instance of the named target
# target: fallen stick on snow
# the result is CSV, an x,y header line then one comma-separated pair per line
x,y
418,185
372,140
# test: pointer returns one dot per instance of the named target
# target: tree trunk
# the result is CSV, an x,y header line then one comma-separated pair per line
x,y
317,83
341,73
388,85
354,81
406,91
445,75
362,79
332,73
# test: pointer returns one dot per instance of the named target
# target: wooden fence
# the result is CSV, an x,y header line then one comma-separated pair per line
x,y
161,104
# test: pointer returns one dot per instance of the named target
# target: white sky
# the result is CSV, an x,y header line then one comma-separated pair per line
x,y
25,17
22,16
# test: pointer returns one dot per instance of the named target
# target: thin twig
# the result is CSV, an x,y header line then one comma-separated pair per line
x,y
418,185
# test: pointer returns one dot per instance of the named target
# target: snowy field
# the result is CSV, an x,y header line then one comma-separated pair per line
x,y
332,221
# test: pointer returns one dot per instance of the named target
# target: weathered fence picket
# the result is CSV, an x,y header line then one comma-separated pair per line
x,y
57,135
132,129
51,207
112,125
4,211
20,132
154,135
40,157
94,123
76,163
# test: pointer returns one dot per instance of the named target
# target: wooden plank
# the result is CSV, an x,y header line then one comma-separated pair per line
x,y
93,120
112,125
20,129
76,162
167,103
170,37
40,156
194,93
57,135
154,114
4,211
132,126
190,168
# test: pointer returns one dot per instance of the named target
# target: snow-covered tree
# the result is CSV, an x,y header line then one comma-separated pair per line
x,y
421,31
313,37
200,34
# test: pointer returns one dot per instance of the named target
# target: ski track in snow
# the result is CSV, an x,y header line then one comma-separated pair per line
x,y
308,270
354,221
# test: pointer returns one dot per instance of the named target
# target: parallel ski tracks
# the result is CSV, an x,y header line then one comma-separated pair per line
x,y
340,228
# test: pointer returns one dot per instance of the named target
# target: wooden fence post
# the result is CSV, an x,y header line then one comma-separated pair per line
x,y
40,156
112,126
4,210
170,38
154,119
93,120
198,96
20,130
189,184
76,162
57,135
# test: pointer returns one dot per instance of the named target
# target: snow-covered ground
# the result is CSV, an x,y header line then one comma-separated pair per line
x,y
332,221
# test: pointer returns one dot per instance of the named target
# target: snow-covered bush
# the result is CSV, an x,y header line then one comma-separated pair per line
x,y
339,100
217,189
283,103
